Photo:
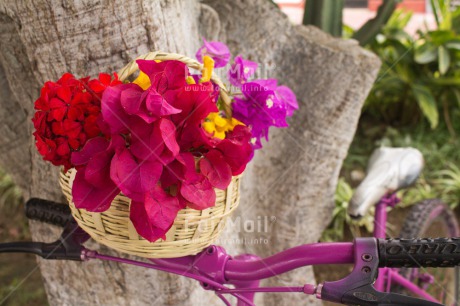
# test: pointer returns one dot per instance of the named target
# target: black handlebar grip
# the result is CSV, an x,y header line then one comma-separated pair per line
x,y
415,253
47,211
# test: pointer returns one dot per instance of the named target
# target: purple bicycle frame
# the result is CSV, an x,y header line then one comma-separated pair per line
x,y
214,268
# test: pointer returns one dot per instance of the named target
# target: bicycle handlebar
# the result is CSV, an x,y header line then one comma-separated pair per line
x,y
421,252
67,247
293,258
47,211
393,253
366,253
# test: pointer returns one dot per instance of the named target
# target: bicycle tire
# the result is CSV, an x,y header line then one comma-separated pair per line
x,y
417,224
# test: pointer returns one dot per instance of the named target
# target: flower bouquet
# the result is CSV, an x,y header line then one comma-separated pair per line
x,y
151,163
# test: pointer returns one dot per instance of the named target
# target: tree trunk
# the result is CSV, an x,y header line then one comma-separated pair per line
x,y
292,179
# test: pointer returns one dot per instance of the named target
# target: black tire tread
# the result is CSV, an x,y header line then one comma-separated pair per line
x,y
418,216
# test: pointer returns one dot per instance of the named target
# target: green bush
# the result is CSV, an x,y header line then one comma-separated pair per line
x,y
420,75
414,103
10,195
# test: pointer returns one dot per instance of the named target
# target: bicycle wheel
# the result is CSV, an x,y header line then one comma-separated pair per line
x,y
432,218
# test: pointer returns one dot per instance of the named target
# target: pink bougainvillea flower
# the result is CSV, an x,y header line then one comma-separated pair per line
x,y
97,171
194,137
91,148
154,215
218,51
148,105
155,142
196,101
164,76
134,177
241,71
121,103
113,114
236,149
92,188
216,169
199,193
181,169
87,196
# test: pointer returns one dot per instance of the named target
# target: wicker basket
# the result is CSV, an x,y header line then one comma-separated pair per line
x,y
192,230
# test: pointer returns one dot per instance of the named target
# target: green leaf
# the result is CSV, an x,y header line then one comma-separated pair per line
x,y
436,13
347,31
444,81
373,26
400,35
399,19
427,104
443,60
453,44
440,37
426,53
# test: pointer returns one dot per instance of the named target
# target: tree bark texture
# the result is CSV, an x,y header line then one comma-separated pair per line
x,y
291,181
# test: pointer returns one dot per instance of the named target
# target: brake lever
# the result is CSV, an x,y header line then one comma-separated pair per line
x,y
68,246
357,288
71,242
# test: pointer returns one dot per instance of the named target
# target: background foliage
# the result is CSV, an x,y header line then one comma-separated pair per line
x,y
415,102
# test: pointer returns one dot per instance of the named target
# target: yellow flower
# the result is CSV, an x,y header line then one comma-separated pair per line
x,y
190,80
142,80
208,66
218,126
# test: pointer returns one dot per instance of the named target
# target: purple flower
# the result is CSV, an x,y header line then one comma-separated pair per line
x,y
241,71
262,105
218,51
285,94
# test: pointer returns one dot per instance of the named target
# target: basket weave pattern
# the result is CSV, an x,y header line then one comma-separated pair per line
x,y
192,230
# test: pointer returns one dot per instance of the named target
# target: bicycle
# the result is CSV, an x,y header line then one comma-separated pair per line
x,y
425,219
215,269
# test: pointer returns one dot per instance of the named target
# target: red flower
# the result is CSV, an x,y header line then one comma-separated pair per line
x,y
105,80
67,116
